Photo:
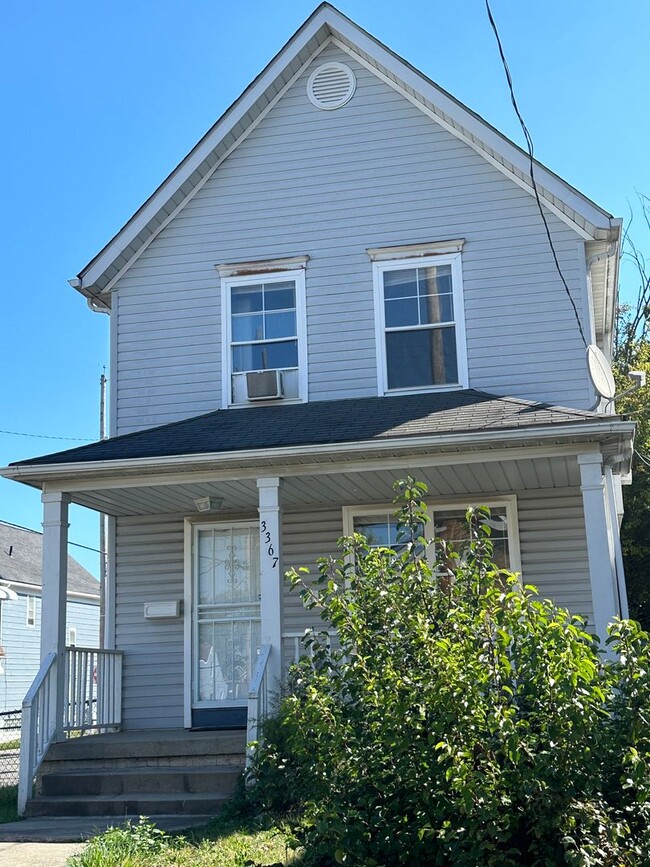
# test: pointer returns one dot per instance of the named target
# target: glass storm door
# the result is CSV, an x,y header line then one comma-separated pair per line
x,y
226,614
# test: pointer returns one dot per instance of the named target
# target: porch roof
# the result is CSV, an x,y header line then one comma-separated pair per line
x,y
325,423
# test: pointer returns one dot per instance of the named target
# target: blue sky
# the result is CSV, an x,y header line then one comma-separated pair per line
x,y
101,100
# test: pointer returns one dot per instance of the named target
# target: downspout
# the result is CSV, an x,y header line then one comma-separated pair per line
x,y
614,529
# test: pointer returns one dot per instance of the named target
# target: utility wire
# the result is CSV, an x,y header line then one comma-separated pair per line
x,y
16,433
31,530
529,143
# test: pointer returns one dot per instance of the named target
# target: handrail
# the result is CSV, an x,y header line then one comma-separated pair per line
x,y
38,726
258,700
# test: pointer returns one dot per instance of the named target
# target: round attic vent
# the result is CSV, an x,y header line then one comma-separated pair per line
x,y
331,86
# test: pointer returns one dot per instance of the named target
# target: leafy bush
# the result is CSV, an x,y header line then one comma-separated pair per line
x,y
129,844
463,721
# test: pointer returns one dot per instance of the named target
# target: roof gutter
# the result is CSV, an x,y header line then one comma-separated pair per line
x,y
30,473
96,304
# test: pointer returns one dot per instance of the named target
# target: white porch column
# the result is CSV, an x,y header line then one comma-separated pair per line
x,y
271,572
54,591
602,568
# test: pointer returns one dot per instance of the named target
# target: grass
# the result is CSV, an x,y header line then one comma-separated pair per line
x,y
10,745
224,843
8,804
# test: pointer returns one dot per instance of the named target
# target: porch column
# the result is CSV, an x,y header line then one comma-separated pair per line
x,y
271,572
54,590
602,568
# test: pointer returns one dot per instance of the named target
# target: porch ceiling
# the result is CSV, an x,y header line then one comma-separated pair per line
x,y
339,486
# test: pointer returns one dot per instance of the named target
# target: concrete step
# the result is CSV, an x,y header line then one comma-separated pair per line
x,y
158,744
220,780
133,805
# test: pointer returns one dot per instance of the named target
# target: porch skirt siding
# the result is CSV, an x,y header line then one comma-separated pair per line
x,y
149,567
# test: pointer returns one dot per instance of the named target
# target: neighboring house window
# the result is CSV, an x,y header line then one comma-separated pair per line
x,y
71,636
31,611
265,331
420,324
446,521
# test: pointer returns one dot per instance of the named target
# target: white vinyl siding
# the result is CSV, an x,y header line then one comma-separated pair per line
x,y
330,185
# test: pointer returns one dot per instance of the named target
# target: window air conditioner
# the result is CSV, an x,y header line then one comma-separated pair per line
x,y
264,385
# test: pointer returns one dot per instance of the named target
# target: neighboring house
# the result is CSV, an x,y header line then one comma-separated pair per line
x,y
21,562
346,280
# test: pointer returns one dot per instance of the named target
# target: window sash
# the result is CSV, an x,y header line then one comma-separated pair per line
x,y
436,370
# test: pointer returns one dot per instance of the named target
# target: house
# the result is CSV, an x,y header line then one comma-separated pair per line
x,y
346,280
21,557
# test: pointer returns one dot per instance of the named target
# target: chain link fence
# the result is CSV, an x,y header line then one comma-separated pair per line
x,y
9,747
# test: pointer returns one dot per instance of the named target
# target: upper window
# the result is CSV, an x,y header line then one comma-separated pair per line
x,y
420,324
264,346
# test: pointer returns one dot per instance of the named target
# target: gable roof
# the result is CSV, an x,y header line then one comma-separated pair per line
x,y
24,564
325,423
324,26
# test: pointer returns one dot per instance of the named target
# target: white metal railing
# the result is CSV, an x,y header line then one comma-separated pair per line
x,y
93,689
258,699
296,649
38,726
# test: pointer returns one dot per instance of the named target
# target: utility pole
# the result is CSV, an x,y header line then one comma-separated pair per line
x,y
102,518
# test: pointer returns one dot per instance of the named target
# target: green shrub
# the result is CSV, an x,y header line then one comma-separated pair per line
x,y
463,721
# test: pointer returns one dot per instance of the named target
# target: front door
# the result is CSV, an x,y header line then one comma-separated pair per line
x,y
225,621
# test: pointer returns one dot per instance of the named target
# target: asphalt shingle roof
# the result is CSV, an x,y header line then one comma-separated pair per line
x,y
21,560
325,423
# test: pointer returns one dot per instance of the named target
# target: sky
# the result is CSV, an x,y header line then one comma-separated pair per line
x,y
100,100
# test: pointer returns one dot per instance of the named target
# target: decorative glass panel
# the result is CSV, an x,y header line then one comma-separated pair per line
x,y
421,358
227,612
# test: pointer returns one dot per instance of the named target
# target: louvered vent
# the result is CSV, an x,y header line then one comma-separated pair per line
x,y
331,86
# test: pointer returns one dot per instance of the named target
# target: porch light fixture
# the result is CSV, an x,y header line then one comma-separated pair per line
x,y
208,504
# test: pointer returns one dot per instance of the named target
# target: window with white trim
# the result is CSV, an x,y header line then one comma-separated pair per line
x,y
420,324
71,636
31,611
265,332
446,521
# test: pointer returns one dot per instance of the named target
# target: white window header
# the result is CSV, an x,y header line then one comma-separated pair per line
x,y
412,251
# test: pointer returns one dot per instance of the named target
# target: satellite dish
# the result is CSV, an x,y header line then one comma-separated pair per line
x,y
600,372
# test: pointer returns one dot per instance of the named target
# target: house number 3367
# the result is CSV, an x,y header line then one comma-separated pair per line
x,y
267,542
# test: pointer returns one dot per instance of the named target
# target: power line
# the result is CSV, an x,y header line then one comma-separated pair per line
x,y
642,458
16,433
529,143
31,530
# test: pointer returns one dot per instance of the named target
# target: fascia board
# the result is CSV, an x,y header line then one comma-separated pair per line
x,y
35,590
32,474
229,119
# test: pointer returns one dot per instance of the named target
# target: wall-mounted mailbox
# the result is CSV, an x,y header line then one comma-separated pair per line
x,y
162,610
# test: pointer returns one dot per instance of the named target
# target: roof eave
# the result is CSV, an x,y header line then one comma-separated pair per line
x,y
38,475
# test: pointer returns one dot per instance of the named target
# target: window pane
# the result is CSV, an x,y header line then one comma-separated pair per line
x,y
421,358
248,327
280,296
436,308
401,312
265,356
400,284
375,529
434,280
246,299
280,325
450,524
